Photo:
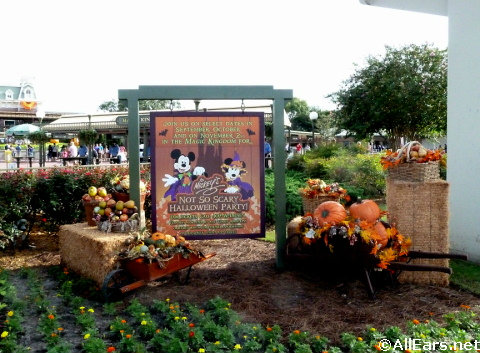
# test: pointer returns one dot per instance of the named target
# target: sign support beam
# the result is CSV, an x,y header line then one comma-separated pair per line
x,y
279,97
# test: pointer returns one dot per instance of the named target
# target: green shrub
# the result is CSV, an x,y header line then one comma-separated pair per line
x,y
316,168
296,163
360,173
294,181
324,151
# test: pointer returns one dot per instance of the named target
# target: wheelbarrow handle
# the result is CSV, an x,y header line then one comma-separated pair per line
x,y
434,255
403,266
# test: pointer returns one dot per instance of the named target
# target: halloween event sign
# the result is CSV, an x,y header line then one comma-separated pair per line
x,y
208,174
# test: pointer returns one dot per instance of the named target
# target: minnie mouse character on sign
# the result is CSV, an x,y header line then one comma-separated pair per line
x,y
181,181
233,169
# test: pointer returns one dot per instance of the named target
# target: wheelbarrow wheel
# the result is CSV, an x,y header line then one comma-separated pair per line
x,y
112,283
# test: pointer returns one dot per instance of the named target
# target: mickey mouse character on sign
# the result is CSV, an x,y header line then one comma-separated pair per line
x,y
233,170
181,181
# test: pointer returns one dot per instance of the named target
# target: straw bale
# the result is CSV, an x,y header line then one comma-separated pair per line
x,y
88,251
420,211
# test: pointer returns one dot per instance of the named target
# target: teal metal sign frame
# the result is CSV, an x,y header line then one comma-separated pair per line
x,y
279,97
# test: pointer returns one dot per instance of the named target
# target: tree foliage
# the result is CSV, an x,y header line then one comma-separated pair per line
x,y
403,94
299,114
147,104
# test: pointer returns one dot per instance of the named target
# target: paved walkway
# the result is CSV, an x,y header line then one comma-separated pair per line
x,y
35,164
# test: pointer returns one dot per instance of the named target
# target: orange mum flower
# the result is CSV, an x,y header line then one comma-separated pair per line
x,y
111,349
51,316
415,321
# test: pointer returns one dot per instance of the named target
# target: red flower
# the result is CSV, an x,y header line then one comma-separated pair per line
x,y
191,324
111,349
44,220
191,334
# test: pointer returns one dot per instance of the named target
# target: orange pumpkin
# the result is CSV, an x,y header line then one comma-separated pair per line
x,y
365,210
158,236
330,212
379,233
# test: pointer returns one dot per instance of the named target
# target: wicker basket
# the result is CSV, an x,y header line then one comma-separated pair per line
x,y
418,172
309,205
129,225
89,206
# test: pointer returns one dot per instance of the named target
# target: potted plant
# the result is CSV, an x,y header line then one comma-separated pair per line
x,y
88,136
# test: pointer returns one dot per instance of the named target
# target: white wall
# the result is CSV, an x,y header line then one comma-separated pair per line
x,y
463,127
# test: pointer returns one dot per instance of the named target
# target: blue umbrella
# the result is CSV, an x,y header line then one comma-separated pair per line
x,y
22,130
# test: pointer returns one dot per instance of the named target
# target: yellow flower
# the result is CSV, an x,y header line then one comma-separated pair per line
x,y
82,307
167,300
4,334
184,317
237,347
87,336
373,329
10,313
217,342
177,318
143,323
360,339
91,310
201,350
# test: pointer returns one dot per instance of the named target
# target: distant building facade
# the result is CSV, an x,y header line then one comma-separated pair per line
x,y
19,104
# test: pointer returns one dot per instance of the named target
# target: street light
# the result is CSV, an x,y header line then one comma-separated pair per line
x,y
40,114
313,116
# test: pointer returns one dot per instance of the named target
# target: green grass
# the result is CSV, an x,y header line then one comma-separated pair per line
x,y
466,275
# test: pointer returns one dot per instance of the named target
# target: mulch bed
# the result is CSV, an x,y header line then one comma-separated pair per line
x,y
244,273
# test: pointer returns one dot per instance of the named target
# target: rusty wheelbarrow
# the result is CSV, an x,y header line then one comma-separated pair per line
x,y
136,273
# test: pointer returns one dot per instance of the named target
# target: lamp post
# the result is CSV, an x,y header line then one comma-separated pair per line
x,y
40,114
313,116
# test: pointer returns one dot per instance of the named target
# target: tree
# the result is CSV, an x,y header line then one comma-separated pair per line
x,y
402,94
299,114
298,111
147,104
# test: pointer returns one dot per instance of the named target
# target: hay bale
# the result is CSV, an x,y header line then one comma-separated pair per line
x,y
420,211
89,252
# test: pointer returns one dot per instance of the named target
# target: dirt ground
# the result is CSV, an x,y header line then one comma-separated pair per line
x,y
244,273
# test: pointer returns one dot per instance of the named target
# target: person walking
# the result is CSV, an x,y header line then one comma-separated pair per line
x,y
83,152
30,154
267,149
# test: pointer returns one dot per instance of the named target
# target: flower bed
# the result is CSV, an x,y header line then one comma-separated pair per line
x,y
212,326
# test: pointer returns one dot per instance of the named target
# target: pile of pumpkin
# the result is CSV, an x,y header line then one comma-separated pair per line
x,y
145,247
356,235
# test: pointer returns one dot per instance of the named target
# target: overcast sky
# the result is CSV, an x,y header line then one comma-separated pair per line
x,y
81,53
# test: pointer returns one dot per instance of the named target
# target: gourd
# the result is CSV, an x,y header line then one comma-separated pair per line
x,y
365,210
158,236
379,233
330,212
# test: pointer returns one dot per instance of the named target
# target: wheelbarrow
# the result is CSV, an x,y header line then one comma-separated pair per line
x,y
397,267
136,273
356,261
